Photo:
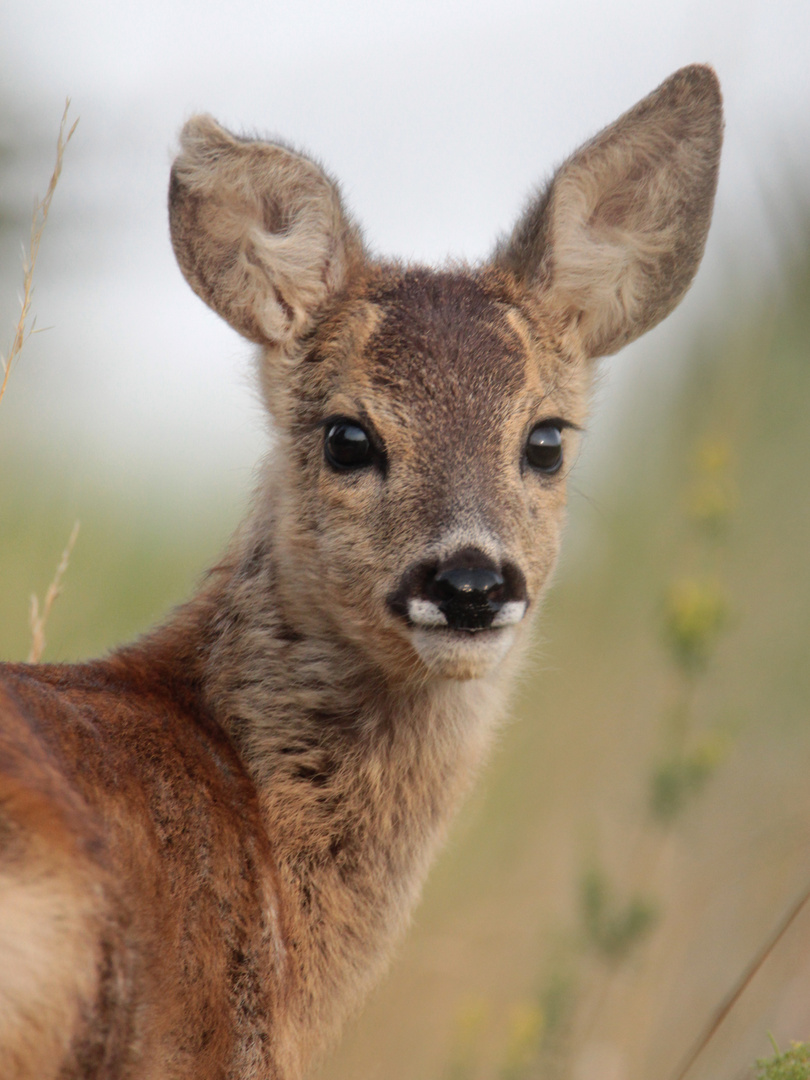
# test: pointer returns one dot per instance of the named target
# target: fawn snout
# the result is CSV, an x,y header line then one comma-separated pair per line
x,y
467,591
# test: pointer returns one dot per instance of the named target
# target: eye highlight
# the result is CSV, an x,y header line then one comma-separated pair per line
x,y
347,445
544,450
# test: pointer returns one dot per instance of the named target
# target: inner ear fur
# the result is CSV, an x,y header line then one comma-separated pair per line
x,y
258,230
615,239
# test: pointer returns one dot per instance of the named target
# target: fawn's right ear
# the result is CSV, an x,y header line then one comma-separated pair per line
x,y
258,231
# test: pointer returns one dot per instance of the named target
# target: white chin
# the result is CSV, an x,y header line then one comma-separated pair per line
x,y
461,654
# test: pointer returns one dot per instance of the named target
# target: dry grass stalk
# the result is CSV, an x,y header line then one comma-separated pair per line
x,y
38,220
742,985
39,619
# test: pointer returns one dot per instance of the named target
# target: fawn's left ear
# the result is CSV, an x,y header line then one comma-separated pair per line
x,y
616,238
258,231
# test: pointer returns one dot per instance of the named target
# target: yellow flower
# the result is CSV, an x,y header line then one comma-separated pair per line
x,y
525,1031
695,612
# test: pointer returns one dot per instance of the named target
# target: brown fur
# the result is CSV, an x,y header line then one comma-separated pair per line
x,y
210,841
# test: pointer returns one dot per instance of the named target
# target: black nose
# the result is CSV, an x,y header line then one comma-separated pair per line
x,y
464,591
468,598
468,590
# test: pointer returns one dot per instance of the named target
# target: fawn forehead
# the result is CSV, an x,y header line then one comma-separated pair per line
x,y
451,352
444,344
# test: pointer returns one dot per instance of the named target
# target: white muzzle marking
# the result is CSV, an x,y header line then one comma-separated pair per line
x,y
511,612
425,613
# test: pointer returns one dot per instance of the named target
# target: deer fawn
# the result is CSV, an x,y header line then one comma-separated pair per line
x,y
211,839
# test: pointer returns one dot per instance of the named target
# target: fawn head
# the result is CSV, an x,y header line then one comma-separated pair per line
x,y
426,420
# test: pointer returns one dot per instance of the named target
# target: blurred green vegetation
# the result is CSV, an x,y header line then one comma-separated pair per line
x,y
494,983
792,1064
138,553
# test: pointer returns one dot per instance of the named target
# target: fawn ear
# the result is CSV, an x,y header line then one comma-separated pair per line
x,y
258,231
616,238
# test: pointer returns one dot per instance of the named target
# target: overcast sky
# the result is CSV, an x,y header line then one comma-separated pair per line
x,y
438,118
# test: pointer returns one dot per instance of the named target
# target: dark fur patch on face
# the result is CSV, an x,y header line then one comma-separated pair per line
x,y
444,331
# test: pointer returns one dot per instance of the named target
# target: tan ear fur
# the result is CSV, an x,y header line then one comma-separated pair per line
x,y
258,231
618,235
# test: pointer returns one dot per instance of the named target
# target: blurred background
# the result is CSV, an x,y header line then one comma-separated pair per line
x,y
645,823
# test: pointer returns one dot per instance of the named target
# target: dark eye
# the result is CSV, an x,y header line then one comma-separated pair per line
x,y
347,446
544,448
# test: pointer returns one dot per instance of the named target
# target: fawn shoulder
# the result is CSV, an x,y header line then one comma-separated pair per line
x,y
211,839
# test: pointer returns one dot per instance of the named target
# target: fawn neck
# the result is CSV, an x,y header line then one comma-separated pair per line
x,y
357,775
